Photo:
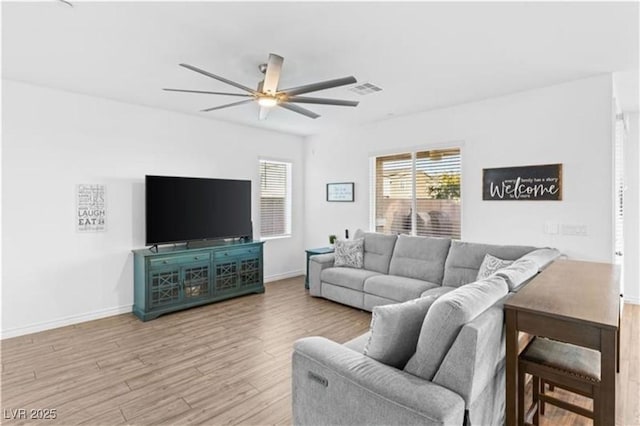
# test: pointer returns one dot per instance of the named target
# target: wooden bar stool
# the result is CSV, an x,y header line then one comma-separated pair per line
x,y
563,365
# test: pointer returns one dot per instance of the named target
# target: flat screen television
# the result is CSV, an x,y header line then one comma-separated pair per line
x,y
180,209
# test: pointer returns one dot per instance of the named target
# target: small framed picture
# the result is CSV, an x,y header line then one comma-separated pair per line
x,y
341,192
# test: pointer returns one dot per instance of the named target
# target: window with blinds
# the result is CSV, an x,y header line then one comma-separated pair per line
x,y
275,199
418,193
619,188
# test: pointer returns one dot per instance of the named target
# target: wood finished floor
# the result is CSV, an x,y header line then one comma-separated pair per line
x,y
226,363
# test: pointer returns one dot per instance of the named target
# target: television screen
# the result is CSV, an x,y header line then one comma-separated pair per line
x,y
185,209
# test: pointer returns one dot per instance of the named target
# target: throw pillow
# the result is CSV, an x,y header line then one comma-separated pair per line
x,y
349,253
490,265
395,330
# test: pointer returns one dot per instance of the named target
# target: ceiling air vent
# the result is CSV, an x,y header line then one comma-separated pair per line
x,y
365,89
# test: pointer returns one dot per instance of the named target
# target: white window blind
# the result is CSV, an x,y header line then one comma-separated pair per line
x,y
418,193
619,188
275,198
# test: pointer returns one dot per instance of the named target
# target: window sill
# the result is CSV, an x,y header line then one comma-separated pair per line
x,y
276,237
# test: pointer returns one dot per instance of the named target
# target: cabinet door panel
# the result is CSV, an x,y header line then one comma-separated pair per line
x,y
250,272
164,287
226,276
196,281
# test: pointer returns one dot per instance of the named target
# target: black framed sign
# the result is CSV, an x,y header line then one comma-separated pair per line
x,y
527,183
342,192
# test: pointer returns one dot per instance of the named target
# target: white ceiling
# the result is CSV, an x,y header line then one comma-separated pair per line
x,y
423,55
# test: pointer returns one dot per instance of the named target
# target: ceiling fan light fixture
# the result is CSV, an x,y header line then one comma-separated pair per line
x,y
267,101
268,95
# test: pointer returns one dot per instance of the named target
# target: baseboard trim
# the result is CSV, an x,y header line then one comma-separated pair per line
x,y
632,300
90,316
62,322
277,277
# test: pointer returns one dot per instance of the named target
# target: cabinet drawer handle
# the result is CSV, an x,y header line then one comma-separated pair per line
x,y
164,262
226,254
196,258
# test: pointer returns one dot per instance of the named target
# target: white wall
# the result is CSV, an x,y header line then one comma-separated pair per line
x,y
53,140
568,124
632,211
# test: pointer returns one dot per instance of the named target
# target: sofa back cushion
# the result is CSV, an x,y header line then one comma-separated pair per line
x,y
446,317
378,249
464,260
518,273
421,258
542,257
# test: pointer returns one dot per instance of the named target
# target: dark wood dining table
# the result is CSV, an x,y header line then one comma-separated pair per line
x,y
574,302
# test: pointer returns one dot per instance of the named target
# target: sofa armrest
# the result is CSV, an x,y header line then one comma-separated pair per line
x,y
317,264
330,380
543,257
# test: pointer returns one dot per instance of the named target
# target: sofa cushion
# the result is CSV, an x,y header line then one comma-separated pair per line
x,y
518,273
422,258
347,277
397,288
371,301
394,331
438,291
344,295
490,265
349,253
464,259
446,317
378,249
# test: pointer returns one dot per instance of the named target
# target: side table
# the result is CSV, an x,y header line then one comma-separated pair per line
x,y
313,252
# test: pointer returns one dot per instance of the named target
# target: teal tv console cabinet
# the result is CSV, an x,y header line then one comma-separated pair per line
x,y
175,278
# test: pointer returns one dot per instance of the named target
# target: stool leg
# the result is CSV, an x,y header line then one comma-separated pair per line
x,y
542,391
596,406
521,379
536,400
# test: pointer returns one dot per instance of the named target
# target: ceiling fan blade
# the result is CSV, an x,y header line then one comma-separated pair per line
x,y
320,101
264,112
217,77
272,75
227,105
314,87
299,110
207,93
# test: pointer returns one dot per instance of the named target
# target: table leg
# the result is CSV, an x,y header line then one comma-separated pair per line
x,y
621,301
511,368
306,277
607,413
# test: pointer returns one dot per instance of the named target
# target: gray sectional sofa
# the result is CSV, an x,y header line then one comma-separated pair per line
x,y
456,373
398,268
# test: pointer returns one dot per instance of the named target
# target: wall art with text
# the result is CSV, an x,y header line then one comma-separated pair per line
x,y
91,211
526,183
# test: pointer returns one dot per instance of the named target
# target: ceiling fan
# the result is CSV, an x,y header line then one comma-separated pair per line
x,y
268,95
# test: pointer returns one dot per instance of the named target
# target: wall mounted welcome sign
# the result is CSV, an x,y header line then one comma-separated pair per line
x,y
527,183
